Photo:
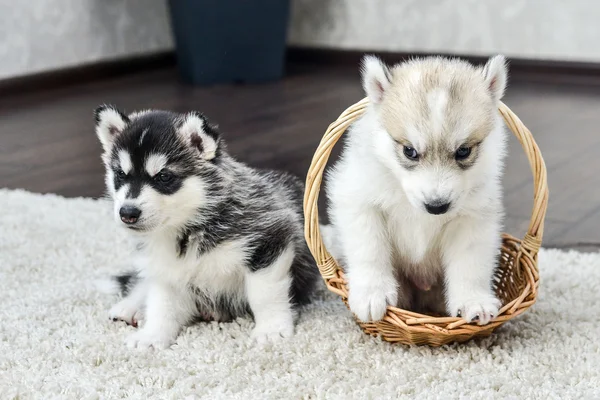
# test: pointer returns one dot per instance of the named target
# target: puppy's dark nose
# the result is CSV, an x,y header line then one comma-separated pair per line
x,y
129,214
437,207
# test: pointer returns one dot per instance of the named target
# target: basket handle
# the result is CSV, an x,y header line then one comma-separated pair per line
x,y
329,268
533,238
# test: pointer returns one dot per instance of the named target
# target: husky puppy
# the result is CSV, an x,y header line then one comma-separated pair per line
x,y
415,200
215,239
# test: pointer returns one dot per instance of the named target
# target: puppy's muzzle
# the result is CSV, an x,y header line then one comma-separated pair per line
x,y
437,207
129,214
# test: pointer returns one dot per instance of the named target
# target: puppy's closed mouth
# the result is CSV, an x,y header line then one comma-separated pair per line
x,y
138,228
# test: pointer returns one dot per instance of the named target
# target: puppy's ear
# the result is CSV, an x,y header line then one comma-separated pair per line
x,y
110,122
495,74
375,78
199,134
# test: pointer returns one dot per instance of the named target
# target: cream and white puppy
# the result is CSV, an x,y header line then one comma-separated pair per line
x,y
416,200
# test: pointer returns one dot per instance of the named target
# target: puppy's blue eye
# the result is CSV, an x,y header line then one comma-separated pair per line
x,y
410,153
164,176
462,153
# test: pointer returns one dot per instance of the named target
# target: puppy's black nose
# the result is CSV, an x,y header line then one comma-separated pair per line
x,y
437,207
129,214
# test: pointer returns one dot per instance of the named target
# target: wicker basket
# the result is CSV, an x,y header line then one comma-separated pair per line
x,y
516,278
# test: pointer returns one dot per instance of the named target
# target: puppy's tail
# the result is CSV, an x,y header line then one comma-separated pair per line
x,y
118,284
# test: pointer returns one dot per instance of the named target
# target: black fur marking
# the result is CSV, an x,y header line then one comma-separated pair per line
x,y
182,244
167,187
270,246
220,309
135,189
220,224
304,276
160,138
262,207
118,181
126,282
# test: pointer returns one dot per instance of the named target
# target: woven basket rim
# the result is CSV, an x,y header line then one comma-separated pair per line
x,y
446,328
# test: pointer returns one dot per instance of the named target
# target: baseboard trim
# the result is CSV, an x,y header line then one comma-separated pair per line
x,y
570,72
87,73
520,68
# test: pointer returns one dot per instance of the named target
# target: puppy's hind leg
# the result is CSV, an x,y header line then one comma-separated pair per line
x,y
268,291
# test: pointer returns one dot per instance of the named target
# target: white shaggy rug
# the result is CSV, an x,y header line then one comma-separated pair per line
x,y
57,342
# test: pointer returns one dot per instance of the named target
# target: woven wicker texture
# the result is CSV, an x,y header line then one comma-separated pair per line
x,y
516,278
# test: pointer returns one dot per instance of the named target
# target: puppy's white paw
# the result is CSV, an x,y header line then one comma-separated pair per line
x,y
127,312
369,300
273,331
144,339
481,309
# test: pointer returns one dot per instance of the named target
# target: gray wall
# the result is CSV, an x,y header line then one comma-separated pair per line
x,y
41,35
537,29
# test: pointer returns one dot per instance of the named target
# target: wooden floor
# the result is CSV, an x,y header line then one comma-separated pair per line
x,y
47,143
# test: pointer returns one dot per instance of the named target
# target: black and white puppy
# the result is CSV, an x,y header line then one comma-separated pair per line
x,y
215,239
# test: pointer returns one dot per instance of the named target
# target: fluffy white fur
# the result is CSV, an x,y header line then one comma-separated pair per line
x,y
267,292
388,243
112,123
131,308
162,303
169,306
193,125
378,81
168,212
56,342
155,163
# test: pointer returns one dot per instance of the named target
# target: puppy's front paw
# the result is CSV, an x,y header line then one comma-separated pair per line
x,y
144,339
369,300
127,312
274,330
480,309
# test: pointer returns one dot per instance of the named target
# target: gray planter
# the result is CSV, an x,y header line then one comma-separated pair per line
x,y
221,41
